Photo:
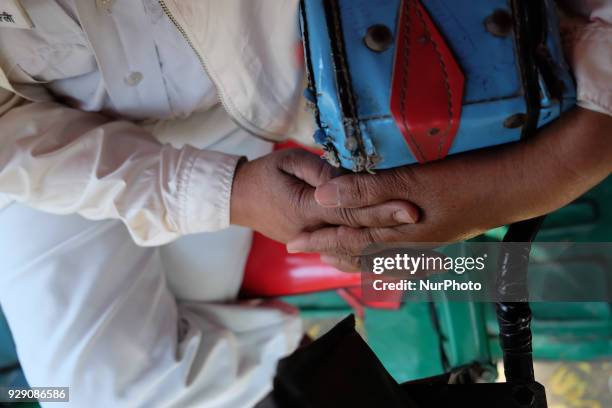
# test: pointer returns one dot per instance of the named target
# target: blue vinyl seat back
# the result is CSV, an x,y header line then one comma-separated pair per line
x,y
494,89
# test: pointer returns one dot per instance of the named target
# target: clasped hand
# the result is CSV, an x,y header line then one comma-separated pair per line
x,y
275,195
294,197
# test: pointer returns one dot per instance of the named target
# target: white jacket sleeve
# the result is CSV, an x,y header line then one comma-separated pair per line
x,y
587,37
63,161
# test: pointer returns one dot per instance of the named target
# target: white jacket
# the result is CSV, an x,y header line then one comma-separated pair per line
x,y
52,157
160,192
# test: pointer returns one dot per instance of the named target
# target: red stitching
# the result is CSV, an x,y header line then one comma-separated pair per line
x,y
444,134
406,39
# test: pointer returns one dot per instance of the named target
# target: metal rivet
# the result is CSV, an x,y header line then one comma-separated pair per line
x,y
515,121
433,131
378,38
134,78
499,23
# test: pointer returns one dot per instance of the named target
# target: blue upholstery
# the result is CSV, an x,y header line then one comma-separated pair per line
x,y
493,89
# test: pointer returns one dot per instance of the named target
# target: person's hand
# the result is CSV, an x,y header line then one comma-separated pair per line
x,y
465,195
274,195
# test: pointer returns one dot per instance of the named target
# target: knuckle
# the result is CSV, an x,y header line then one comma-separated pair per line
x,y
396,234
353,189
345,240
300,205
387,235
370,237
289,159
324,171
283,157
379,217
335,246
355,242
362,189
347,217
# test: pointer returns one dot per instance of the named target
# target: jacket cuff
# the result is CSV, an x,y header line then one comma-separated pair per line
x,y
589,50
205,190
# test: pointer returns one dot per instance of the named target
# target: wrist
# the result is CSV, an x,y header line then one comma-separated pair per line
x,y
558,165
239,196
590,149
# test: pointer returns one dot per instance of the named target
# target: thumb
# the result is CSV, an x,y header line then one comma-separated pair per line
x,y
307,167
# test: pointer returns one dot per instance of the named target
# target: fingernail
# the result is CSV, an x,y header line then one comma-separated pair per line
x,y
403,217
296,246
328,195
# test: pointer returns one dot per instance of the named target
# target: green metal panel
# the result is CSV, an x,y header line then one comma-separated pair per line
x,y
469,331
406,341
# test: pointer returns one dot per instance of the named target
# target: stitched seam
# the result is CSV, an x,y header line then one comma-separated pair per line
x,y
184,186
444,135
226,178
354,121
233,110
404,89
